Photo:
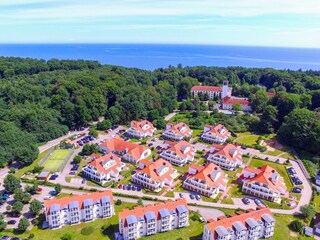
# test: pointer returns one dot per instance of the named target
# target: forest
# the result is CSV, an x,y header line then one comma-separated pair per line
x,y
41,100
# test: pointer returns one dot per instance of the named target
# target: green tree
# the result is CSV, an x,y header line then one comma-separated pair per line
x,y
260,101
307,212
269,119
11,183
12,170
20,196
58,188
77,159
23,224
17,207
35,207
93,133
88,149
66,236
236,107
297,226
3,223
105,124
139,202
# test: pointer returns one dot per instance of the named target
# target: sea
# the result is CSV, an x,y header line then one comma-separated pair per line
x,y
152,56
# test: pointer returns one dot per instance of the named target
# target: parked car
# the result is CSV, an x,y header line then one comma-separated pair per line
x,y
83,181
198,197
296,190
120,186
139,188
5,238
11,222
245,200
278,160
244,147
150,144
72,173
129,187
53,193
39,189
191,196
47,197
124,187
258,202
266,158
15,238
5,197
181,195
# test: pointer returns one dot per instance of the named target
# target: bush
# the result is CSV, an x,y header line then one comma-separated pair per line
x,y
118,202
37,169
66,236
77,159
296,226
31,235
86,231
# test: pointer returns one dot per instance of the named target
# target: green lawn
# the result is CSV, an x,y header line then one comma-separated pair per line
x,y
280,168
245,159
55,160
196,132
127,174
29,168
316,201
135,140
248,140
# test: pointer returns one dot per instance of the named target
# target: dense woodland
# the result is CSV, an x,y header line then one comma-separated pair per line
x,y
41,100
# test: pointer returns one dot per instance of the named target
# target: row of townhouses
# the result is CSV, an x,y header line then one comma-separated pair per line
x,y
141,129
254,224
152,219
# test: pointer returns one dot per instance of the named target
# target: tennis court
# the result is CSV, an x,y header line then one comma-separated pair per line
x,y
55,160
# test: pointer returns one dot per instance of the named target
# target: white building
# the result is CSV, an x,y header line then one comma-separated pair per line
x,y
177,132
77,209
264,182
154,175
141,129
128,151
318,178
227,157
179,153
254,224
151,219
103,168
206,180
215,134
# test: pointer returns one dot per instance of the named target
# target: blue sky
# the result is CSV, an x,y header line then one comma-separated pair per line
x,y
291,23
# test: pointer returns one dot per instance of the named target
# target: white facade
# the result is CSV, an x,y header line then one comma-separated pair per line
x,y
141,129
58,215
180,154
223,162
218,137
177,132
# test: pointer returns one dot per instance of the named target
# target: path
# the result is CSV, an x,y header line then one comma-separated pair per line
x,y
225,193
169,116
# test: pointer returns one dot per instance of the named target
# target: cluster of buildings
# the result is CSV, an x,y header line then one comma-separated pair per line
x,y
207,179
155,218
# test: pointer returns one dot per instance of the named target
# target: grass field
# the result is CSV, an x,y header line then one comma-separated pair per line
x,y
248,140
55,160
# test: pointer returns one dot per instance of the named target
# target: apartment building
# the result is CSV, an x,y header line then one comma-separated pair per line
x,y
228,102
154,175
254,224
206,180
79,208
215,134
102,169
227,157
128,151
151,219
212,91
177,132
264,182
141,129
178,153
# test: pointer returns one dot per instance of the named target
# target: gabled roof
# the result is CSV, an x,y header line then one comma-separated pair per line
x,y
207,88
150,211
154,169
140,126
118,144
208,173
218,130
263,175
229,151
180,147
233,100
178,129
81,200
100,162
237,221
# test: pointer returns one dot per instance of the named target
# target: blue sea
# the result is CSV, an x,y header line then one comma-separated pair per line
x,y
152,56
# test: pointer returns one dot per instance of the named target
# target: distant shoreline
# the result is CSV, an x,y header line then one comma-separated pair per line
x,y
152,56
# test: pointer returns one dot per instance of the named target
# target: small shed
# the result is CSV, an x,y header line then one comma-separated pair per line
x,y
44,176
308,231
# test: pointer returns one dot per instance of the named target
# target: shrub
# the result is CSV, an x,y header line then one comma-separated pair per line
x,y
31,235
296,226
66,236
86,231
118,202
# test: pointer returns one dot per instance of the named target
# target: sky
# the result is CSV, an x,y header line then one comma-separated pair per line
x,y
290,23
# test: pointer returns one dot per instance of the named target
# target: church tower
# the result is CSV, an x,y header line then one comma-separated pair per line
x,y
225,90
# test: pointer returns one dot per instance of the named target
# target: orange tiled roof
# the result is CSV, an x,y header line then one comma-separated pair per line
x,y
217,130
263,175
152,168
271,94
207,88
118,144
228,152
228,222
205,175
232,100
140,211
139,126
178,127
178,148
64,201
99,162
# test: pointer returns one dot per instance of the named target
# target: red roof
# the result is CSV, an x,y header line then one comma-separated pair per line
x,y
230,151
205,174
264,175
232,100
271,94
218,130
118,144
180,147
100,162
140,211
242,217
141,126
181,129
64,201
207,88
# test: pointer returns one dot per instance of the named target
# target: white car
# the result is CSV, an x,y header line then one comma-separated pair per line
x,y
48,197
